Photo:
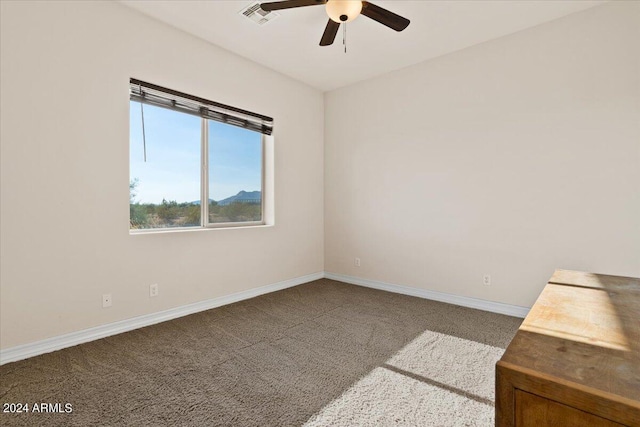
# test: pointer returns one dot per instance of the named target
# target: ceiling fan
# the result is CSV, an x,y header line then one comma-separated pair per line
x,y
343,11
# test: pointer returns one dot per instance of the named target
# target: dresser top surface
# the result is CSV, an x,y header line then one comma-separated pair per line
x,y
584,328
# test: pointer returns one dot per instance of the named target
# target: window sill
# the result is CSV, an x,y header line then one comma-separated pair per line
x,y
141,232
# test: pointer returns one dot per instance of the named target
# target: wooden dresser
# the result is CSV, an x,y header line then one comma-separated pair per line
x,y
575,361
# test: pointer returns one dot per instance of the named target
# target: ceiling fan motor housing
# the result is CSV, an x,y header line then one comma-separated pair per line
x,y
343,10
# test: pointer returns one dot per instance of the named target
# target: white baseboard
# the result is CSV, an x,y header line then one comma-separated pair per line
x,y
74,338
68,340
480,304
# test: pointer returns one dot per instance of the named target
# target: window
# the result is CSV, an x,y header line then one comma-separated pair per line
x,y
193,162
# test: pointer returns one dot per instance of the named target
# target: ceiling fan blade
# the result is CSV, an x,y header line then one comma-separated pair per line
x,y
329,34
289,4
384,16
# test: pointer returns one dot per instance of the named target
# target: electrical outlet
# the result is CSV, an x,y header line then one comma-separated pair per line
x,y
357,262
106,300
486,280
153,290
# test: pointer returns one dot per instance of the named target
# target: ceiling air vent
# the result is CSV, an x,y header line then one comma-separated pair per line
x,y
258,15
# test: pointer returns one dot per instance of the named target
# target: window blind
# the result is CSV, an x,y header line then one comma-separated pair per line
x,y
148,93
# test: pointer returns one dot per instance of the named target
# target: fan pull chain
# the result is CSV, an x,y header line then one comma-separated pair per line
x,y
144,137
344,36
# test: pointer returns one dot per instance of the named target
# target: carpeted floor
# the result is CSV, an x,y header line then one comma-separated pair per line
x,y
320,354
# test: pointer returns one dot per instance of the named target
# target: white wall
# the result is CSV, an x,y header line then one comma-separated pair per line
x,y
512,158
65,171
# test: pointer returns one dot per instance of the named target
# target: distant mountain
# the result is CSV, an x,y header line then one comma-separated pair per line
x,y
243,197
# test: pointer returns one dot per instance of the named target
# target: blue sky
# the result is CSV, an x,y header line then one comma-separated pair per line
x,y
172,170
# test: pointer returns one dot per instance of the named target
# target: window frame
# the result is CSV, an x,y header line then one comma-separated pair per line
x,y
204,188
204,184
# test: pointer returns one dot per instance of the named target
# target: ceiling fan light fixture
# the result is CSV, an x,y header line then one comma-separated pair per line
x,y
343,10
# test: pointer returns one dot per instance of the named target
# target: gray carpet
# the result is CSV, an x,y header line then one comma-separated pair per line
x,y
320,354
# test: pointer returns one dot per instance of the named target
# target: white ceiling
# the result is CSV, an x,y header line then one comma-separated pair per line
x,y
289,44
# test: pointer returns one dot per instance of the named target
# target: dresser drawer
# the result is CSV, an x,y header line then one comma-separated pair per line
x,y
536,411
